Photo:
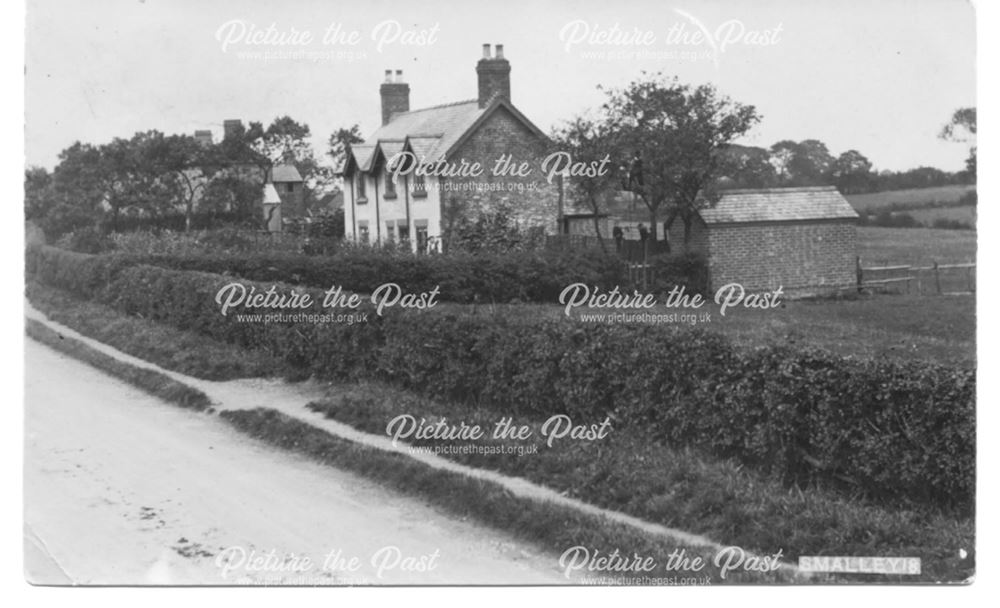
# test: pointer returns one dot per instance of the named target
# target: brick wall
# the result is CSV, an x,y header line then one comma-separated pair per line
x,y
532,200
698,239
796,256
292,203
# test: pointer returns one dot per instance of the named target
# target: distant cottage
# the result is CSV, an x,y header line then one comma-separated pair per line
x,y
418,209
799,238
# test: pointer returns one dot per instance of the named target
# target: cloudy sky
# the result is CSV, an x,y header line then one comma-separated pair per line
x,y
880,77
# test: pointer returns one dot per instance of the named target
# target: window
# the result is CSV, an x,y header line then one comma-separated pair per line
x,y
290,187
390,186
419,186
421,239
404,233
390,231
363,232
362,195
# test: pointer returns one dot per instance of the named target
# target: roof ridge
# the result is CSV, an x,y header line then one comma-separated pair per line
x,y
442,105
778,190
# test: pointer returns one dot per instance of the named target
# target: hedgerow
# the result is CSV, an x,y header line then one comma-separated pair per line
x,y
515,276
893,431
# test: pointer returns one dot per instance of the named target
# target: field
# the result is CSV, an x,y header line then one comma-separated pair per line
x,y
915,198
916,246
965,214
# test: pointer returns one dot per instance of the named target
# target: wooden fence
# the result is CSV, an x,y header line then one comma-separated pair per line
x,y
938,278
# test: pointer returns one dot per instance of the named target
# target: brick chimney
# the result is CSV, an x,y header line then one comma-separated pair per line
x,y
203,137
395,95
494,75
231,127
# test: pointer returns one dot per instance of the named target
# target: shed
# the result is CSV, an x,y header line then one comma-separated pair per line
x,y
288,184
801,239
272,208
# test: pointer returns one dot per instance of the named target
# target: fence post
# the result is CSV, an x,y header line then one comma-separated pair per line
x,y
937,277
860,274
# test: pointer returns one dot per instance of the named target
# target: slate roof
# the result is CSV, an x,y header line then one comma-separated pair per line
x,y
444,123
363,155
430,132
271,195
285,173
778,205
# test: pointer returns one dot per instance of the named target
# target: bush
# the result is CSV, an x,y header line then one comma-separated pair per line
x,y
947,224
89,239
517,276
890,430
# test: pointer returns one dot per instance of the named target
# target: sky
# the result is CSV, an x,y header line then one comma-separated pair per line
x,y
880,77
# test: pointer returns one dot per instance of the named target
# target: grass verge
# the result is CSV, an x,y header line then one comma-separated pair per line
x,y
150,381
170,348
630,471
551,526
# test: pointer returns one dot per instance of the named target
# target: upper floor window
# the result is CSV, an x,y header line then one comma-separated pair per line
x,y
419,186
390,186
362,194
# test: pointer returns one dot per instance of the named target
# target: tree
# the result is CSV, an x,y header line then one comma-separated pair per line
x,y
190,163
588,142
38,193
852,173
746,167
674,133
962,128
804,163
340,141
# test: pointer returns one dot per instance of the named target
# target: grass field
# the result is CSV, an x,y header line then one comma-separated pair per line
x,y
966,214
913,198
916,246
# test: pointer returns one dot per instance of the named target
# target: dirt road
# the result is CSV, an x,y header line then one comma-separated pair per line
x,y
121,488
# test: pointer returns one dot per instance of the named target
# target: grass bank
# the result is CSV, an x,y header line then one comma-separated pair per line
x,y
632,471
542,523
185,352
150,381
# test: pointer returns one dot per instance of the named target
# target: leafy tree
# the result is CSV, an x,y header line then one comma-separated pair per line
x,y
588,142
340,141
962,128
746,167
804,163
674,133
190,163
852,173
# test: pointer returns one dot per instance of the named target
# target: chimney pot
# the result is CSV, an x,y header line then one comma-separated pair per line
x,y
388,75
399,76
494,76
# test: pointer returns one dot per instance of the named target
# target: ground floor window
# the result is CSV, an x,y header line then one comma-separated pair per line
x,y
421,239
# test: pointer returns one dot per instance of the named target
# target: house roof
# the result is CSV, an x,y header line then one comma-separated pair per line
x,y
271,195
362,155
778,205
432,133
285,173
445,123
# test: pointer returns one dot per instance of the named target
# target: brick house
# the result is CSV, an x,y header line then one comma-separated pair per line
x,y
419,209
803,239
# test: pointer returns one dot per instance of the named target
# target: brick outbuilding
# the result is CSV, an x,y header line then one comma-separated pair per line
x,y
802,239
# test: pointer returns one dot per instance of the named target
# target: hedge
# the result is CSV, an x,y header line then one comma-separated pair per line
x,y
520,276
893,431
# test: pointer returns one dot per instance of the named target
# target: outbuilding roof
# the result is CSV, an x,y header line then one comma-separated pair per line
x,y
778,205
285,173
271,195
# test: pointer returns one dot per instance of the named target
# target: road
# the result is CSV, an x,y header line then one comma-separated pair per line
x,y
124,489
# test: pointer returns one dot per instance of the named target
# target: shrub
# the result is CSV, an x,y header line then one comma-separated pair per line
x,y
518,276
89,239
890,430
